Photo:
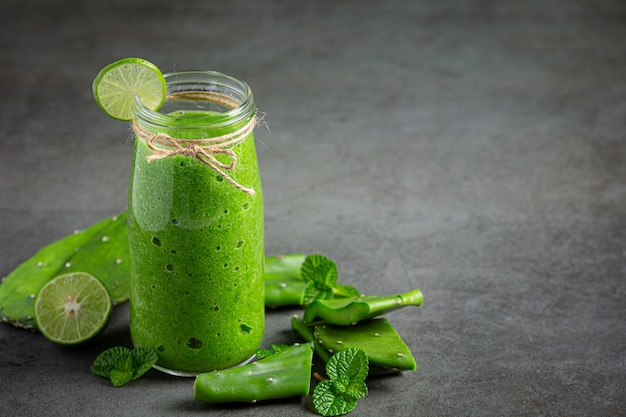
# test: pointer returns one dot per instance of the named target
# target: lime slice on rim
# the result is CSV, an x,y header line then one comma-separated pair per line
x,y
72,308
116,84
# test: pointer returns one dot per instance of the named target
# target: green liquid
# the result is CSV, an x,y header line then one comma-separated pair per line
x,y
197,256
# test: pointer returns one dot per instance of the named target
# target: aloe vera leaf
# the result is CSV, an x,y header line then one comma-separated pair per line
x,y
20,287
106,256
329,345
283,282
281,293
283,267
281,375
346,311
377,337
307,333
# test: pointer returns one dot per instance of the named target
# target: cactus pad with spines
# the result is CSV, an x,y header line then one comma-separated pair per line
x,y
379,340
386,351
106,257
81,251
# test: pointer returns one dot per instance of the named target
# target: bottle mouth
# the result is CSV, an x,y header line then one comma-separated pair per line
x,y
227,97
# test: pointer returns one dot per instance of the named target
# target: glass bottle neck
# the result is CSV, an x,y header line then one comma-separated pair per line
x,y
199,104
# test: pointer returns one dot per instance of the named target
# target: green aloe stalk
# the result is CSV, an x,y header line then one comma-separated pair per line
x,y
308,334
281,375
385,349
282,293
283,282
346,311
379,340
284,267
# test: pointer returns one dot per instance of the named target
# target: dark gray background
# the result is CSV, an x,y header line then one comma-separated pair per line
x,y
473,149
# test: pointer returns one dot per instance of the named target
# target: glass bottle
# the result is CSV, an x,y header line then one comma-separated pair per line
x,y
196,226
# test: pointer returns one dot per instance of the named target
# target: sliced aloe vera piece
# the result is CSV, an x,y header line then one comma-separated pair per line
x,y
283,282
377,337
281,293
387,352
283,267
346,311
281,375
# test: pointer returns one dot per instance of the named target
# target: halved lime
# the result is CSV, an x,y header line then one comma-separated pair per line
x,y
116,84
72,308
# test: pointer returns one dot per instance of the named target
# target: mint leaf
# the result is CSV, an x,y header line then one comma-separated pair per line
x,y
347,370
119,378
320,276
123,371
355,390
142,361
274,348
122,365
263,353
349,362
107,360
328,403
339,386
346,291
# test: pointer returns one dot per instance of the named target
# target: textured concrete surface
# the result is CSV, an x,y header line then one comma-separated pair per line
x,y
473,149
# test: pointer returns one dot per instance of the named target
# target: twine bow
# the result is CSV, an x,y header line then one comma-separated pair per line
x,y
203,150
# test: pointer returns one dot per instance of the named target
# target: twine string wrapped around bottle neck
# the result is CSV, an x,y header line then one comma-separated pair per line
x,y
204,150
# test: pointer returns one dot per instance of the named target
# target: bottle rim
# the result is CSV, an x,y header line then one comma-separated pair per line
x,y
197,81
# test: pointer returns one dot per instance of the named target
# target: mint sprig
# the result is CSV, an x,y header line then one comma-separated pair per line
x,y
122,365
337,395
320,276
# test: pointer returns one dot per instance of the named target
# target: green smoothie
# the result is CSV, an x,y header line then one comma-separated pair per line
x,y
197,248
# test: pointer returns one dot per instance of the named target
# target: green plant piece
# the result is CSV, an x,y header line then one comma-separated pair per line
x,y
317,279
284,267
320,275
20,287
307,333
338,395
347,311
107,257
284,374
385,349
281,293
122,365
283,283
274,348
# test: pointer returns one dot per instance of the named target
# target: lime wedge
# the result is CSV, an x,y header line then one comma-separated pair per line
x,y
116,84
72,308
